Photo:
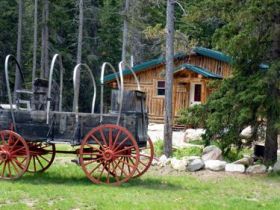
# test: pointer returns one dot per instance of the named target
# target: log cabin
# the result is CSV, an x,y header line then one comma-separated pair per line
x,y
192,73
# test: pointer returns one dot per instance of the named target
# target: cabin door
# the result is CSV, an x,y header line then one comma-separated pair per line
x,y
195,94
181,100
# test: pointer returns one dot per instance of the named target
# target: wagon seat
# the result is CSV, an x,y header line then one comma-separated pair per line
x,y
36,99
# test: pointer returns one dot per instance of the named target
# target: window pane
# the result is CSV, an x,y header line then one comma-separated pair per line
x,y
197,92
161,84
161,92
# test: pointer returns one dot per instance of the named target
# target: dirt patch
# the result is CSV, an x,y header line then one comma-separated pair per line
x,y
201,175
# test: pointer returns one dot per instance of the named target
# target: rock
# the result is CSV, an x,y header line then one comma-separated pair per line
x,y
211,153
256,169
179,165
246,161
276,166
270,169
195,165
231,167
193,134
247,132
215,165
190,158
163,161
155,162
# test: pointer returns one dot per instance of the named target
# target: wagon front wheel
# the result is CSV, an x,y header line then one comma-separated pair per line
x,y
14,155
42,156
109,154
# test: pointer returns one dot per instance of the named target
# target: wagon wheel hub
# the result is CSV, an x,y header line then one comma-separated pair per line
x,y
108,155
5,155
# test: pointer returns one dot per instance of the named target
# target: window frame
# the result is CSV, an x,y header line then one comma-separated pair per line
x,y
160,88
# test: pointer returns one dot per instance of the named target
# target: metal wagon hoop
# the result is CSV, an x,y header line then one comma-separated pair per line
x,y
50,84
8,84
76,93
120,86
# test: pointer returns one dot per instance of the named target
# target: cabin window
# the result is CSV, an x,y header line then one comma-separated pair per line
x,y
197,92
160,88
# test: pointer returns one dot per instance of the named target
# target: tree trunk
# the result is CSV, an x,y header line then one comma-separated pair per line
x,y
35,40
125,32
80,44
168,118
271,144
45,41
18,81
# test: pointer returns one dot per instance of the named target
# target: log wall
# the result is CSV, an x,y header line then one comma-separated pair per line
x,y
182,81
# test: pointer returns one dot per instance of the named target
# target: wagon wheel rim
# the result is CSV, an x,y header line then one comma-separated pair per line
x,y
146,158
14,155
42,156
104,152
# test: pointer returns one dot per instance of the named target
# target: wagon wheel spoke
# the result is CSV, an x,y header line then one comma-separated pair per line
x,y
114,158
145,159
116,139
97,141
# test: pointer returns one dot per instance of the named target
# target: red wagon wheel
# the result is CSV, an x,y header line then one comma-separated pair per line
x,y
41,156
105,155
14,155
146,158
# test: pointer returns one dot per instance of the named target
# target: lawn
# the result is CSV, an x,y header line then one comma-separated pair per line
x,y
64,186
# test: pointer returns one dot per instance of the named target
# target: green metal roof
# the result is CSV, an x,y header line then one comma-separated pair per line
x,y
143,66
203,72
213,54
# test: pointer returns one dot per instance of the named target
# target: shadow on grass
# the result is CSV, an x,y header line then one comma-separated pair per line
x,y
51,178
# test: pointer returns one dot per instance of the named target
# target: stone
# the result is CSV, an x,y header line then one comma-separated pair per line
x,y
256,169
215,165
155,162
211,153
231,167
190,158
179,165
163,161
195,165
246,161
193,134
247,132
276,166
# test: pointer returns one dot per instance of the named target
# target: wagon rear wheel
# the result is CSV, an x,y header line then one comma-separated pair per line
x,y
146,158
42,156
14,155
106,152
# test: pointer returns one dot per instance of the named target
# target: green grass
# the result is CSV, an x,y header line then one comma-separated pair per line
x,y
65,186
178,153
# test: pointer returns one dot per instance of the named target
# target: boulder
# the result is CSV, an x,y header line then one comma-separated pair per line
x,y
179,165
190,158
276,166
215,165
256,169
247,132
163,161
193,134
231,167
195,165
246,161
211,153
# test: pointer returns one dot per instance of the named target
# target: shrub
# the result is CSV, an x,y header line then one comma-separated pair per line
x,y
194,116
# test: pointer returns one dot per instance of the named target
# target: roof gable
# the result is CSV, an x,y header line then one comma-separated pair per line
x,y
198,70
